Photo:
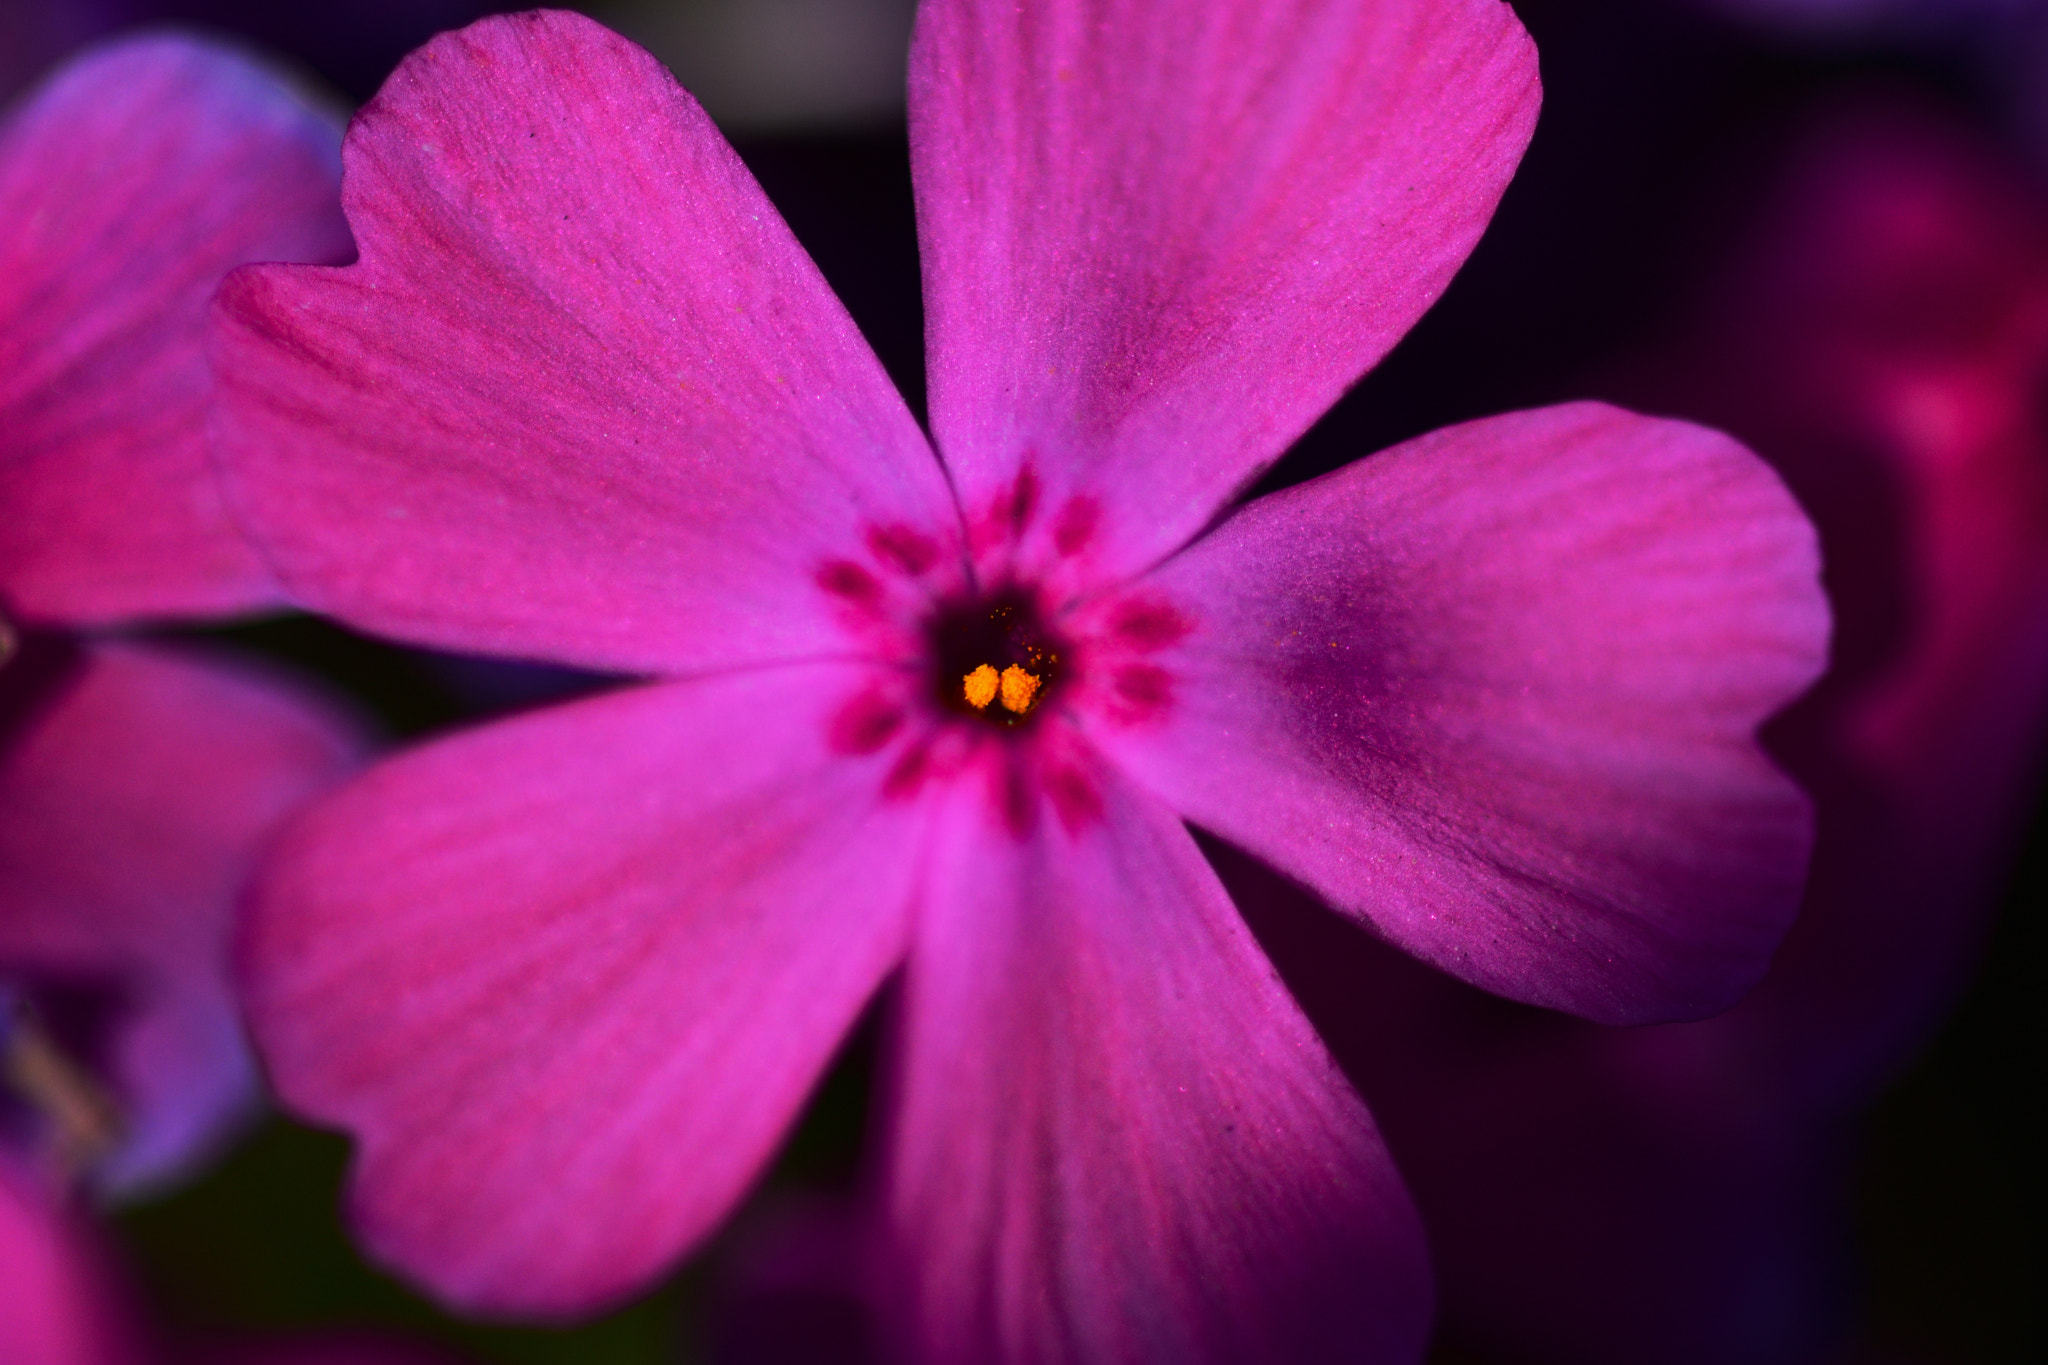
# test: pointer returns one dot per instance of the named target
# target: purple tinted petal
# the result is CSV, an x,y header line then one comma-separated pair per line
x,y
55,1308
1497,692
128,186
567,978
1118,1138
186,1080
135,804
583,398
1160,239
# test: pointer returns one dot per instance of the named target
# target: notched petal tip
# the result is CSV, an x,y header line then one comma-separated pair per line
x,y
1498,691
583,398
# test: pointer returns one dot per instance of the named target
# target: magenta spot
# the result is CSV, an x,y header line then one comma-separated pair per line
x,y
904,549
1143,685
1076,525
1142,692
908,774
1142,624
844,578
1075,798
865,724
1023,497
1006,514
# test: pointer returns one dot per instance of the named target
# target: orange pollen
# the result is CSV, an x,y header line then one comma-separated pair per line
x,y
1019,688
982,685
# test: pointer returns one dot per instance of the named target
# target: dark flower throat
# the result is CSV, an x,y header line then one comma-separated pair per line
x,y
994,659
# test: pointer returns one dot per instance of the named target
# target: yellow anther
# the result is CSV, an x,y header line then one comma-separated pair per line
x,y
1019,688
981,688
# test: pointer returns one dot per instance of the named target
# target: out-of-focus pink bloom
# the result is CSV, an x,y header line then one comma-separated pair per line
x,y
136,783
1674,1193
129,183
55,1303
584,399
135,791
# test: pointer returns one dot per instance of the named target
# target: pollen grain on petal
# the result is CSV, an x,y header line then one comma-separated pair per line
x,y
1019,688
982,685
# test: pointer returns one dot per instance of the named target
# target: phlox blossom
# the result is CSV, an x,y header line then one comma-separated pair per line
x,y
940,707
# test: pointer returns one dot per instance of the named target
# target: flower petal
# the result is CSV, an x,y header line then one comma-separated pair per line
x,y
1118,1138
128,186
1160,239
136,802
567,978
583,398
55,1305
1497,692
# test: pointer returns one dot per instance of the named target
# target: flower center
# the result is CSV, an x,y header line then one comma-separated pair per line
x,y
994,658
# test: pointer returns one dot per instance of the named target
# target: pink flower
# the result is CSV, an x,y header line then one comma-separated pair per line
x,y
583,399
136,782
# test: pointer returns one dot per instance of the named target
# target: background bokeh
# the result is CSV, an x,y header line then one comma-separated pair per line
x,y
1666,129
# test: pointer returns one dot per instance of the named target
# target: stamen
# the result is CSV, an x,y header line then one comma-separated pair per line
x,y
1019,688
981,685
85,1121
994,658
